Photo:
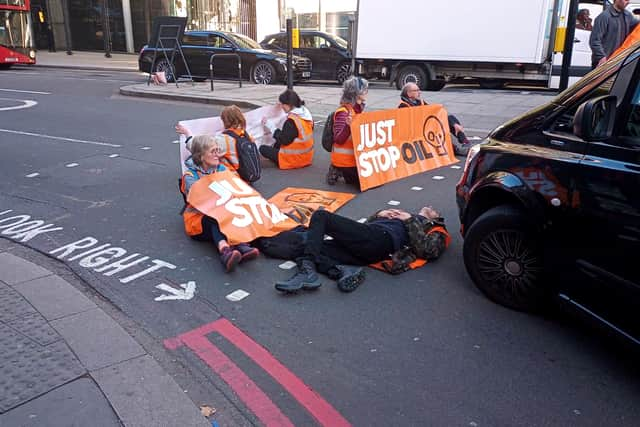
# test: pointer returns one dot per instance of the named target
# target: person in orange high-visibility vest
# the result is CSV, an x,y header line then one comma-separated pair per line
x,y
294,142
343,159
391,239
205,160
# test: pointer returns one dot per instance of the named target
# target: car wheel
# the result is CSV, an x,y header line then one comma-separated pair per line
x,y
263,73
164,65
343,72
5,66
412,74
503,256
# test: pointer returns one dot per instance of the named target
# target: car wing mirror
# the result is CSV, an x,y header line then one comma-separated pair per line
x,y
594,119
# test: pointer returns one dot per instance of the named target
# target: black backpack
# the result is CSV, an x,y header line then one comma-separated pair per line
x,y
248,157
327,133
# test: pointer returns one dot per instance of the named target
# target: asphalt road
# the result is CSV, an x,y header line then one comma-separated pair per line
x,y
422,348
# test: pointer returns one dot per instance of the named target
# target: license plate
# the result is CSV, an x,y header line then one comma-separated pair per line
x,y
306,74
11,59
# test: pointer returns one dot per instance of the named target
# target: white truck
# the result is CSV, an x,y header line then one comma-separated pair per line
x,y
493,41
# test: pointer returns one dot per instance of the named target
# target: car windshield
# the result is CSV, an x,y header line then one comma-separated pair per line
x,y
243,41
341,42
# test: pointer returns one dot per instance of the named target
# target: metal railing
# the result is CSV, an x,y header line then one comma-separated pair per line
x,y
217,55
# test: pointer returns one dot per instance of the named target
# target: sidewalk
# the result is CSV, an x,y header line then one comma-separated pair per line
x,y
64,361
480,111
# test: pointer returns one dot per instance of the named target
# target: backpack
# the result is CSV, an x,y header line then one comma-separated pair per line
x,y
327,133
248,157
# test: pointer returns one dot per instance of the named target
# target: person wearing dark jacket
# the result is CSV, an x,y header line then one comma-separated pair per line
x,y
343,158
393,236
294,142
410,97
610,28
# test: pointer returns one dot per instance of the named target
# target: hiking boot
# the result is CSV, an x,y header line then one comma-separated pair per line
x,y
460,149
247,251
230,258
306,278
350,277
333,175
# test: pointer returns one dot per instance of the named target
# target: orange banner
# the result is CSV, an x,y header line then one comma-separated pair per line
x,y
632,38
244,215
394,144
300,203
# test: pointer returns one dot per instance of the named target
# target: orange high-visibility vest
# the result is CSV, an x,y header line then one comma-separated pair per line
x,y
299,153
230,158
343,155
191,216
403,102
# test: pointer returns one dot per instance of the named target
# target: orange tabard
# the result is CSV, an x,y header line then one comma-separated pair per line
x,y
299,153
300,203
342,155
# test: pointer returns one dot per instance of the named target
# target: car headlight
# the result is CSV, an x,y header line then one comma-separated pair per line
x,y
32,54
473,152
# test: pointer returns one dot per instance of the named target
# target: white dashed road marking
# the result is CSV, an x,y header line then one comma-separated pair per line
x,y
416,188
438,177
393,202
288,265
32,175
60,138
237,295
25,91
71,165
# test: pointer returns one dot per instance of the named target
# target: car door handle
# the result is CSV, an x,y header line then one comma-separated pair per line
x,y
557,143
576,40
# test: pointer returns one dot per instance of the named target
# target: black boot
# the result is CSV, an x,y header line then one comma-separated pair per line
x,y
306,278
350,277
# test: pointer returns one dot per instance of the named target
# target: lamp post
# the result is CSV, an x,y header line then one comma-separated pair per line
x,y
67,26
106,30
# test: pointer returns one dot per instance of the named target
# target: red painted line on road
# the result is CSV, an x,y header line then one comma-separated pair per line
x,y
196,340
255,399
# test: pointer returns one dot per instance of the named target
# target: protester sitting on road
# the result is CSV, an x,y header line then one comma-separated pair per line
x,y
234,128
410,97
205,160
294,142
343,160
390,233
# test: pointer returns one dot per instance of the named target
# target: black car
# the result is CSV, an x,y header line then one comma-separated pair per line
x,y
258,65
549,204
328,53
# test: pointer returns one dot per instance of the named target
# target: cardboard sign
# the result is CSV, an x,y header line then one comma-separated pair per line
x,y
300,203
213,126
393,144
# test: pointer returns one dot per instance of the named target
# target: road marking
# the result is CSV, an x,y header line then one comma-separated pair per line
x,y
254,398
393,202
113,156
438,177
287,265
456,167
25,91
145,148
60,138
362,220
26,103
416,188
186,291
71,165
32,175
238,295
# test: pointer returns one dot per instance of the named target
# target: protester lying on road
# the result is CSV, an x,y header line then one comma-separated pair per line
x,y
205,160
393,236
343,159
234,130
410,97
294,142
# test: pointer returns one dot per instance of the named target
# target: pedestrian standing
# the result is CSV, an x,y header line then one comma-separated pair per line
x,y
610,29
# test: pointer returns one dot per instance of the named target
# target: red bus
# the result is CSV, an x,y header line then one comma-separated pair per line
x,y
16,33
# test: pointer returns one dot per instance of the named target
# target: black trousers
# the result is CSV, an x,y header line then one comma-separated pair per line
x,y
210,231
270,152
353,243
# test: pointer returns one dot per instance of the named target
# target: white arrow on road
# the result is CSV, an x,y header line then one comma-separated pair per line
x,y
26,103
186,293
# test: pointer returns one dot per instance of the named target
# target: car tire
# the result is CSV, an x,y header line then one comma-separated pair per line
x,y
412,74
343,72
5,66
503,255
263,73
163,64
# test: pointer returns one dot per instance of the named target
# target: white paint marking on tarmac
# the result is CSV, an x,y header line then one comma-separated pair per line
x,y
416,188
145,148
187,291
71,165
456,167
177,141
26,103
32,175
288,265
362,220
393,202
25,91
438,177
60,138
238,295
113,156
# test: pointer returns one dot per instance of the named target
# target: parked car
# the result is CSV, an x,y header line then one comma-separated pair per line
x,y
328,53
258,65
549,204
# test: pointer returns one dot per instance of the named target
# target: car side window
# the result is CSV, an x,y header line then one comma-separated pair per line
x,y
307,42
275,43
191,39
632,127
216,41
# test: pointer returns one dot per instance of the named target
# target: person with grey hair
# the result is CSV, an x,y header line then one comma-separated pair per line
x,y
410,97
343,159
206,151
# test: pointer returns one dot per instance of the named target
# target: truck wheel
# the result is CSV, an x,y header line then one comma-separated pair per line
x,y
343,72
411,74
503,256
163,65
263,73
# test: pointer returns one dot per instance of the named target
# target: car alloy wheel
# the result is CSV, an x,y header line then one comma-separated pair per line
x,y
163,65
344,72
263,73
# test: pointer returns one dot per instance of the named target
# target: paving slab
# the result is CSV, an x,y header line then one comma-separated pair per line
x,y
15,270
53,297
143,395
97,339
13,305
78,403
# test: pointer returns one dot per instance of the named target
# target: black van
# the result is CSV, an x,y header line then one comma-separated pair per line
x,y
549,204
